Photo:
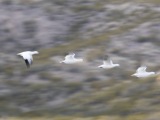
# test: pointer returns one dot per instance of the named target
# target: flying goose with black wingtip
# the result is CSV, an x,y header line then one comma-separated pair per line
x,y
27,56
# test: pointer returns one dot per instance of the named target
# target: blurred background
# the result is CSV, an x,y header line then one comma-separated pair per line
x,y
126,30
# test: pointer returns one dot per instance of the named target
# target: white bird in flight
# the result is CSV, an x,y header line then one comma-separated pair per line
x,y
141,72
27,56
108,64
70,59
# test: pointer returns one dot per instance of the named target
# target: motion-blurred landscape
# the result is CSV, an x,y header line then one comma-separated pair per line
x,y
126,30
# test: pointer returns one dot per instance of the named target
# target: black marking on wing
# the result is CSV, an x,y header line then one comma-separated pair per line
x,y
27,63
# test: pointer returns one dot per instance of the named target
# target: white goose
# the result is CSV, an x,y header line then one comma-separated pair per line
x,y
141,72
108,64
27,56
70,59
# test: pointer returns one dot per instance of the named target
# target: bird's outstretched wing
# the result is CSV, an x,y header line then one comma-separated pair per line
x,y
70,56
27,63
108,60
142,69
28,60
104,62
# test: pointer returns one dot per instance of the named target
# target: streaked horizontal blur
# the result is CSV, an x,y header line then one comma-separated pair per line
x,y
128,32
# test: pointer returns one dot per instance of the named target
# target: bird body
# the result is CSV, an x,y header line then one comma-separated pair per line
x,y
27,56
70,59
108,64
141,72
